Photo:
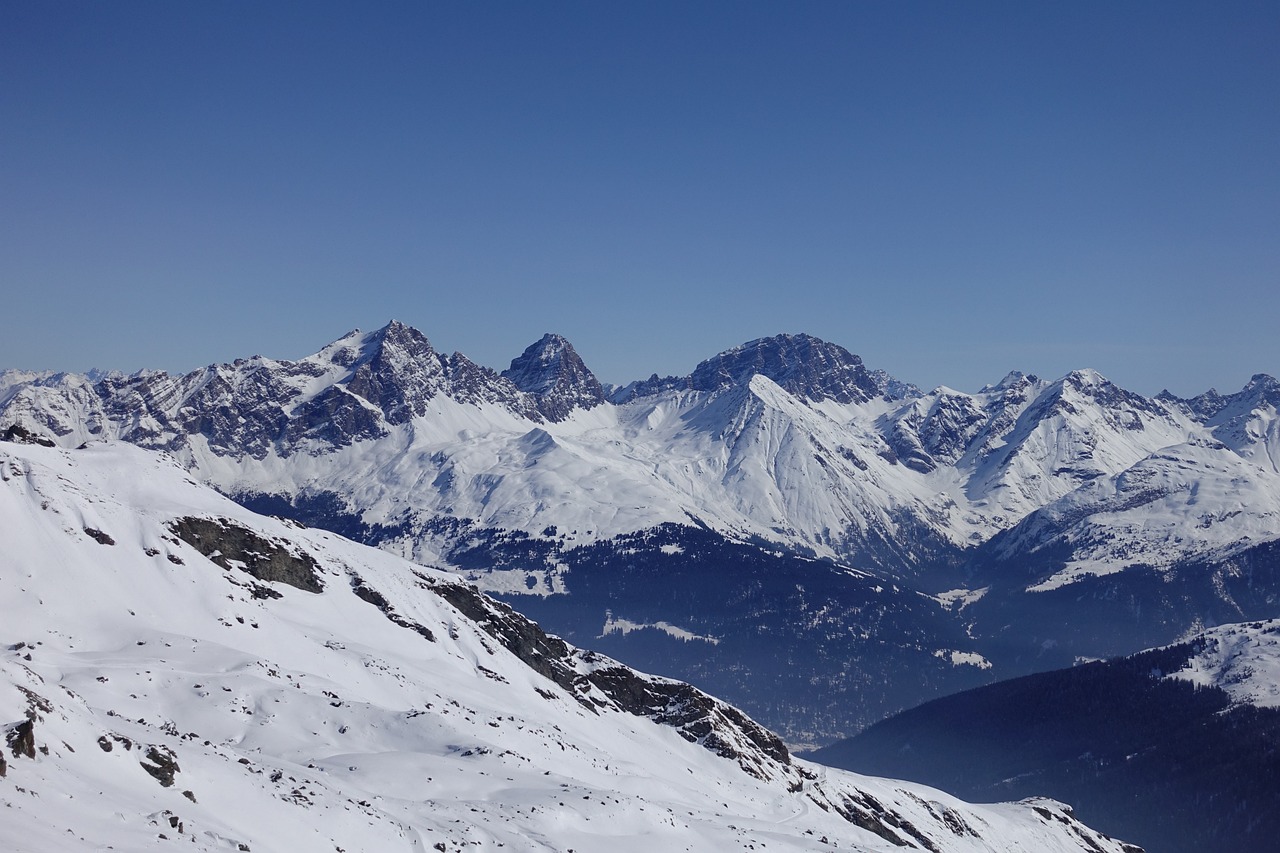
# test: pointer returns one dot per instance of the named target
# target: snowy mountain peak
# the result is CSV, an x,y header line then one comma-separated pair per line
x,y
803,365
892,388
552,370
398,371
1091,388
1261,389
1246,421
1085,377
1015,379
344,351
1263,383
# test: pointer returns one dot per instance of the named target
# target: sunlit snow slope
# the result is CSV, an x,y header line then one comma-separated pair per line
x,y
179,673
1243,659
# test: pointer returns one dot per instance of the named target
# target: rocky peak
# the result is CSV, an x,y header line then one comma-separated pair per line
x,y
655,384
1246,419
892,388
552,371
398,371
935,429
1261,390
1015,380
1091,388
805,366
1264,388
468,382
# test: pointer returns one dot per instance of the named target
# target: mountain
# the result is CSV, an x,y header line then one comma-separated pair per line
x,y
1246,421
804,366
1177,748
959,537
180,670
555,374
1185,537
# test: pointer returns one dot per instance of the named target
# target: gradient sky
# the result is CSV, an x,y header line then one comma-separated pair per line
x,y
951,190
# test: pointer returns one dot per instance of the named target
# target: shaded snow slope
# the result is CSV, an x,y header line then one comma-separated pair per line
x,y
179,670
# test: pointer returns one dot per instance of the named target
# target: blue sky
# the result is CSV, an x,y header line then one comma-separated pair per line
x,y
951,190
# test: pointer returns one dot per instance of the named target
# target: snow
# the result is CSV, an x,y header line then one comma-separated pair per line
x,y
1242,659
1184,502
879,482
958,658
614,625
549,581
311,721
960,598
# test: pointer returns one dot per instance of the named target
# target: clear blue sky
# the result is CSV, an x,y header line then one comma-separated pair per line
x,y
951,190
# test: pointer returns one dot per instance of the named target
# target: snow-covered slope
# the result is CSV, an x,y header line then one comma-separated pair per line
x,y
1075,430
1243,659
1191,501
178,670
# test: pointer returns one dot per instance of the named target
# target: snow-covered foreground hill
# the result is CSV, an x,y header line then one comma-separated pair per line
x,y
179,673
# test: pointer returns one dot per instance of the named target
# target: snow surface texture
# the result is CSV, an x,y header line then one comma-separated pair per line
x,y
1243,659
787,440
160,688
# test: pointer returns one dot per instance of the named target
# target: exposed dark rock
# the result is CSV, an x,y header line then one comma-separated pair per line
x,y
803,365
21,739
1261,389
261,592
335,417
555,374
648,387
234,547
162,764
471,383
367,593
698,718
98,536
544,653
19,434
399,372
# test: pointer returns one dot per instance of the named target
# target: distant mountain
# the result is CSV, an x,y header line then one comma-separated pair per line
x,y
180,671
804,366
1176,748
1020,527
554,373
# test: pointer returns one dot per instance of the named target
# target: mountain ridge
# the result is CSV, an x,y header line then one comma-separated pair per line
x,y
1021,507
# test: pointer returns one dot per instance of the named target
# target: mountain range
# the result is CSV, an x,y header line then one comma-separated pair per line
x,y
782,509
